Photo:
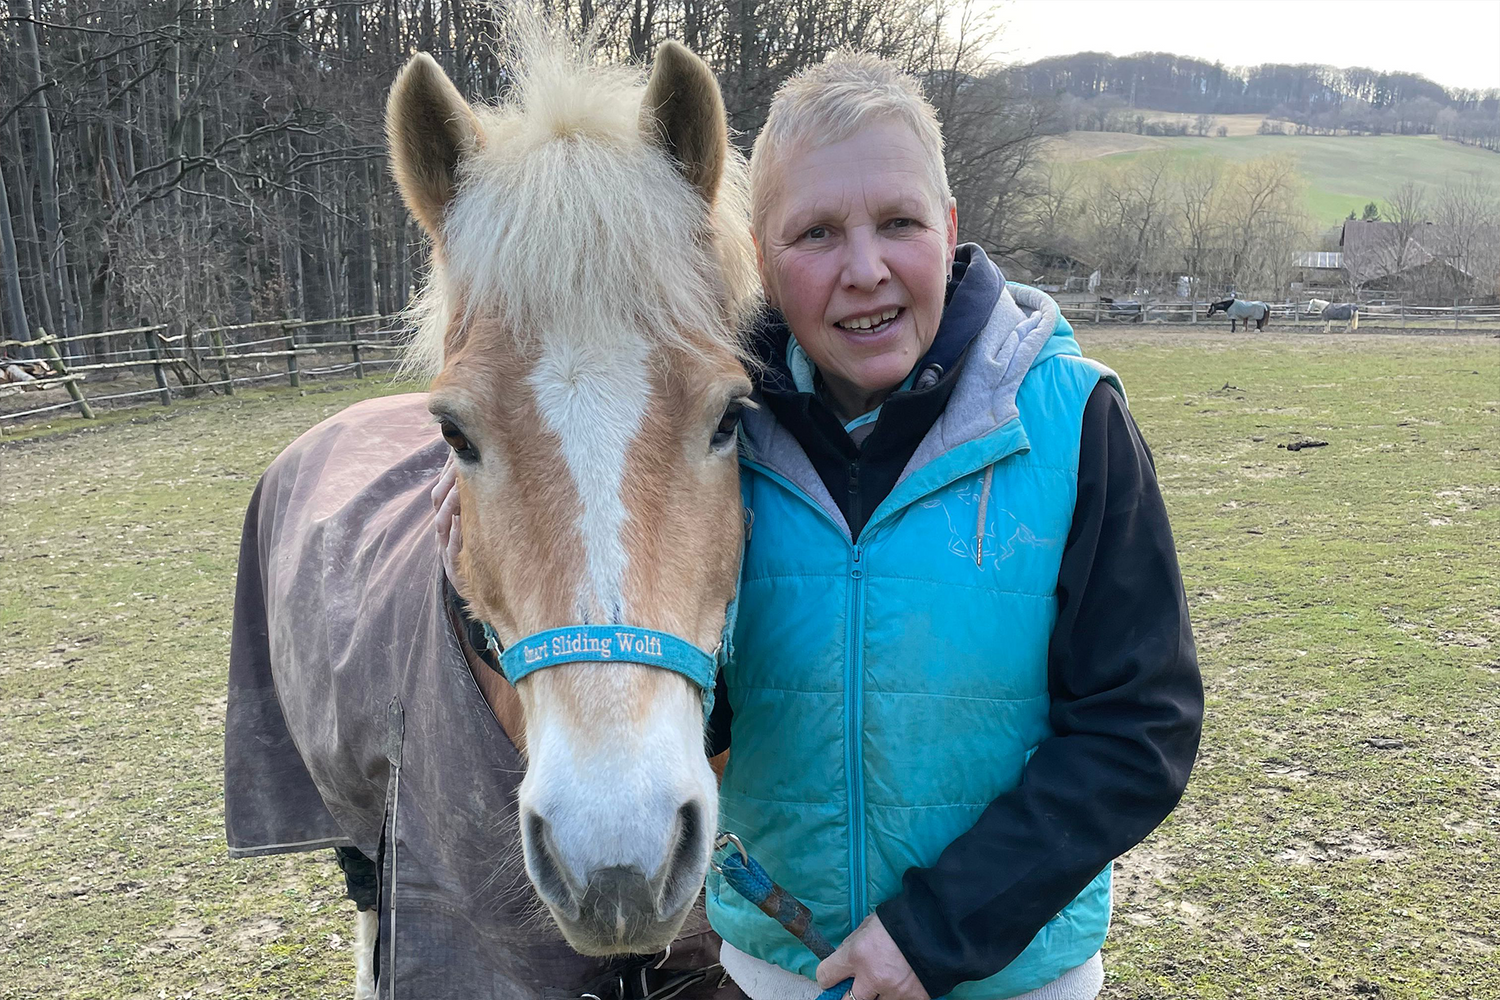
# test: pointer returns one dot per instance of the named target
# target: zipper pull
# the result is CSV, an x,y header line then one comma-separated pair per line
x,y
856,573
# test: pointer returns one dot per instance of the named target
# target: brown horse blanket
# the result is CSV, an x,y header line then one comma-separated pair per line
x,y
354,718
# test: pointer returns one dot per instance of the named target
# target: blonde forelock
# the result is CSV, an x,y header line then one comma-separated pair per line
x,y
570,223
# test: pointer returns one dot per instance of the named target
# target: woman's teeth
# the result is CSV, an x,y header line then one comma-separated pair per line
x,y
869,322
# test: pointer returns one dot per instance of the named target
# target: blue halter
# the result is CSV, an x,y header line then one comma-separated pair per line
x,y
614,644
623,644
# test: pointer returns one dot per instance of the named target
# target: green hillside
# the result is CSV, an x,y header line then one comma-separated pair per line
x,y
1343,172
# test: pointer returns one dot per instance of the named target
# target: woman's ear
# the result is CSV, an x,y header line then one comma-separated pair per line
x,y
952,227
767,287
429,128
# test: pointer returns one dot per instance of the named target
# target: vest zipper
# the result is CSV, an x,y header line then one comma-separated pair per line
x,y
854,498
854,758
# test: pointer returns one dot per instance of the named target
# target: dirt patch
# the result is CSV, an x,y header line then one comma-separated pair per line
x,y
1336,847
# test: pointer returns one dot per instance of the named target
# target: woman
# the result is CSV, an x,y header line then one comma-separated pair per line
x,y
964,678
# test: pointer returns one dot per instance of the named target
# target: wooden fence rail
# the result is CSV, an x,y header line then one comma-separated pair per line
x,y
185,357
1479,318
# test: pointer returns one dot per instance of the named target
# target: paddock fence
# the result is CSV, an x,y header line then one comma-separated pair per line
x,y
1377,315
137,365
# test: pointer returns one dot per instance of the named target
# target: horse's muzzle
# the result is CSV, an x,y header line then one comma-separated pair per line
x,y
618,909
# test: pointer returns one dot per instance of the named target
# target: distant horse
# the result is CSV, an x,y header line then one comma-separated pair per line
x,y
1330,312
592,272
1242,310
1130,311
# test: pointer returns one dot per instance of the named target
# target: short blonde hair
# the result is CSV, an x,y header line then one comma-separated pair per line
x,y
832,101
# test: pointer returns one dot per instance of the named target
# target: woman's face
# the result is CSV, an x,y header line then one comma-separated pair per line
x,y
855,251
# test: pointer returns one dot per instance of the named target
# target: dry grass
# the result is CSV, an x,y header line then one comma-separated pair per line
x,y
1339,839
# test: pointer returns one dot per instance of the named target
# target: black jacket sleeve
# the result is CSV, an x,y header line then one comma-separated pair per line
x,y
719,719
1126,713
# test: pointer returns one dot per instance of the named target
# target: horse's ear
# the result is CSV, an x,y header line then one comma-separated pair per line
x,y
684,114
429,128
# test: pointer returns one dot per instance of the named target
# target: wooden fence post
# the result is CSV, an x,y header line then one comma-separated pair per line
x,y
189,361
359,364
293,375
1455,312
154,349
1096,309
217,336
62,369
1403,312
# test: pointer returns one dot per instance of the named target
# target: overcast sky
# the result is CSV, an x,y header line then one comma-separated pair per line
x,y
1455,42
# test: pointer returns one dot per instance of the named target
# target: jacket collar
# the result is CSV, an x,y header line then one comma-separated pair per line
x,y
979,426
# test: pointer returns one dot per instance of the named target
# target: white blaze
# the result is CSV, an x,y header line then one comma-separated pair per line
x,y
593,400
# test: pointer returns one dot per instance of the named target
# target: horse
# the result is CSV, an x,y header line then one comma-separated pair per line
x,y
592,275
1330,312
1242,309
1130,310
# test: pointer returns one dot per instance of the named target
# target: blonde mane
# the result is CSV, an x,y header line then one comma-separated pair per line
x,y
569,224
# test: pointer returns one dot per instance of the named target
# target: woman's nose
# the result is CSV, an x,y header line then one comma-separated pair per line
x,y
864,267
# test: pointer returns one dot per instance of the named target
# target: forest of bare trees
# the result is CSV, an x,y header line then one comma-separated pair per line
x,y
1102,93
201,161
1149,220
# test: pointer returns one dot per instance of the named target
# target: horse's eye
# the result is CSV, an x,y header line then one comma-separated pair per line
x,y
462,449
724,434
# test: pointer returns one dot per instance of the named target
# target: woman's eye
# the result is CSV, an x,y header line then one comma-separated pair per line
x,y
816,233
462,449
724,434
901,223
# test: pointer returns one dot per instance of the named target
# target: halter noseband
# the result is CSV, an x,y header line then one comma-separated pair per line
x,y
625,643
617,644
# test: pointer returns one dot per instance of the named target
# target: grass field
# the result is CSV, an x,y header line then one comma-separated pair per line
x,y
1344,173
1339,840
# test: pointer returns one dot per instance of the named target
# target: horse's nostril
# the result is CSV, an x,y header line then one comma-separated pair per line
x,y
547,874
685,867
690,832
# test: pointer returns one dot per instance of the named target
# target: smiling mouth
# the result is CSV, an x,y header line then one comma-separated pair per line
x,y
871,324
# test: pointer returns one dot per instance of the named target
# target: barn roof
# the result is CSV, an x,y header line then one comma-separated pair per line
x,y
1371,249
1320,259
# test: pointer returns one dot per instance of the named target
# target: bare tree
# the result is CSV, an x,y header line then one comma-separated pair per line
x,y
1466,220
1406,213
1200,212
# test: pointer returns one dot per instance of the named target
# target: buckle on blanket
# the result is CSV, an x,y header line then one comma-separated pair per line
x,y
646,980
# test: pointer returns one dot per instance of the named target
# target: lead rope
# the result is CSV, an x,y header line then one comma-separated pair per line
x,y
746,877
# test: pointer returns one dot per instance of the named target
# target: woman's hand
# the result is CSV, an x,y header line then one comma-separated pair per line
x,y
449,529
877,965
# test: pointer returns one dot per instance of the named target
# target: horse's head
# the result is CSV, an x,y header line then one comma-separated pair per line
x,y
592,269
1218,307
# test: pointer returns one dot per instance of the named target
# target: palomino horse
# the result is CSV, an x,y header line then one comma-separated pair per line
x,y
1242,310
592,271
1331,312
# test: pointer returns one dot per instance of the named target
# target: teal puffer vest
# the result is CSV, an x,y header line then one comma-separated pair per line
x,y
885,692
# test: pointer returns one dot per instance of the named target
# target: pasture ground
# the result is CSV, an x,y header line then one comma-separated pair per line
x,y
1340,838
